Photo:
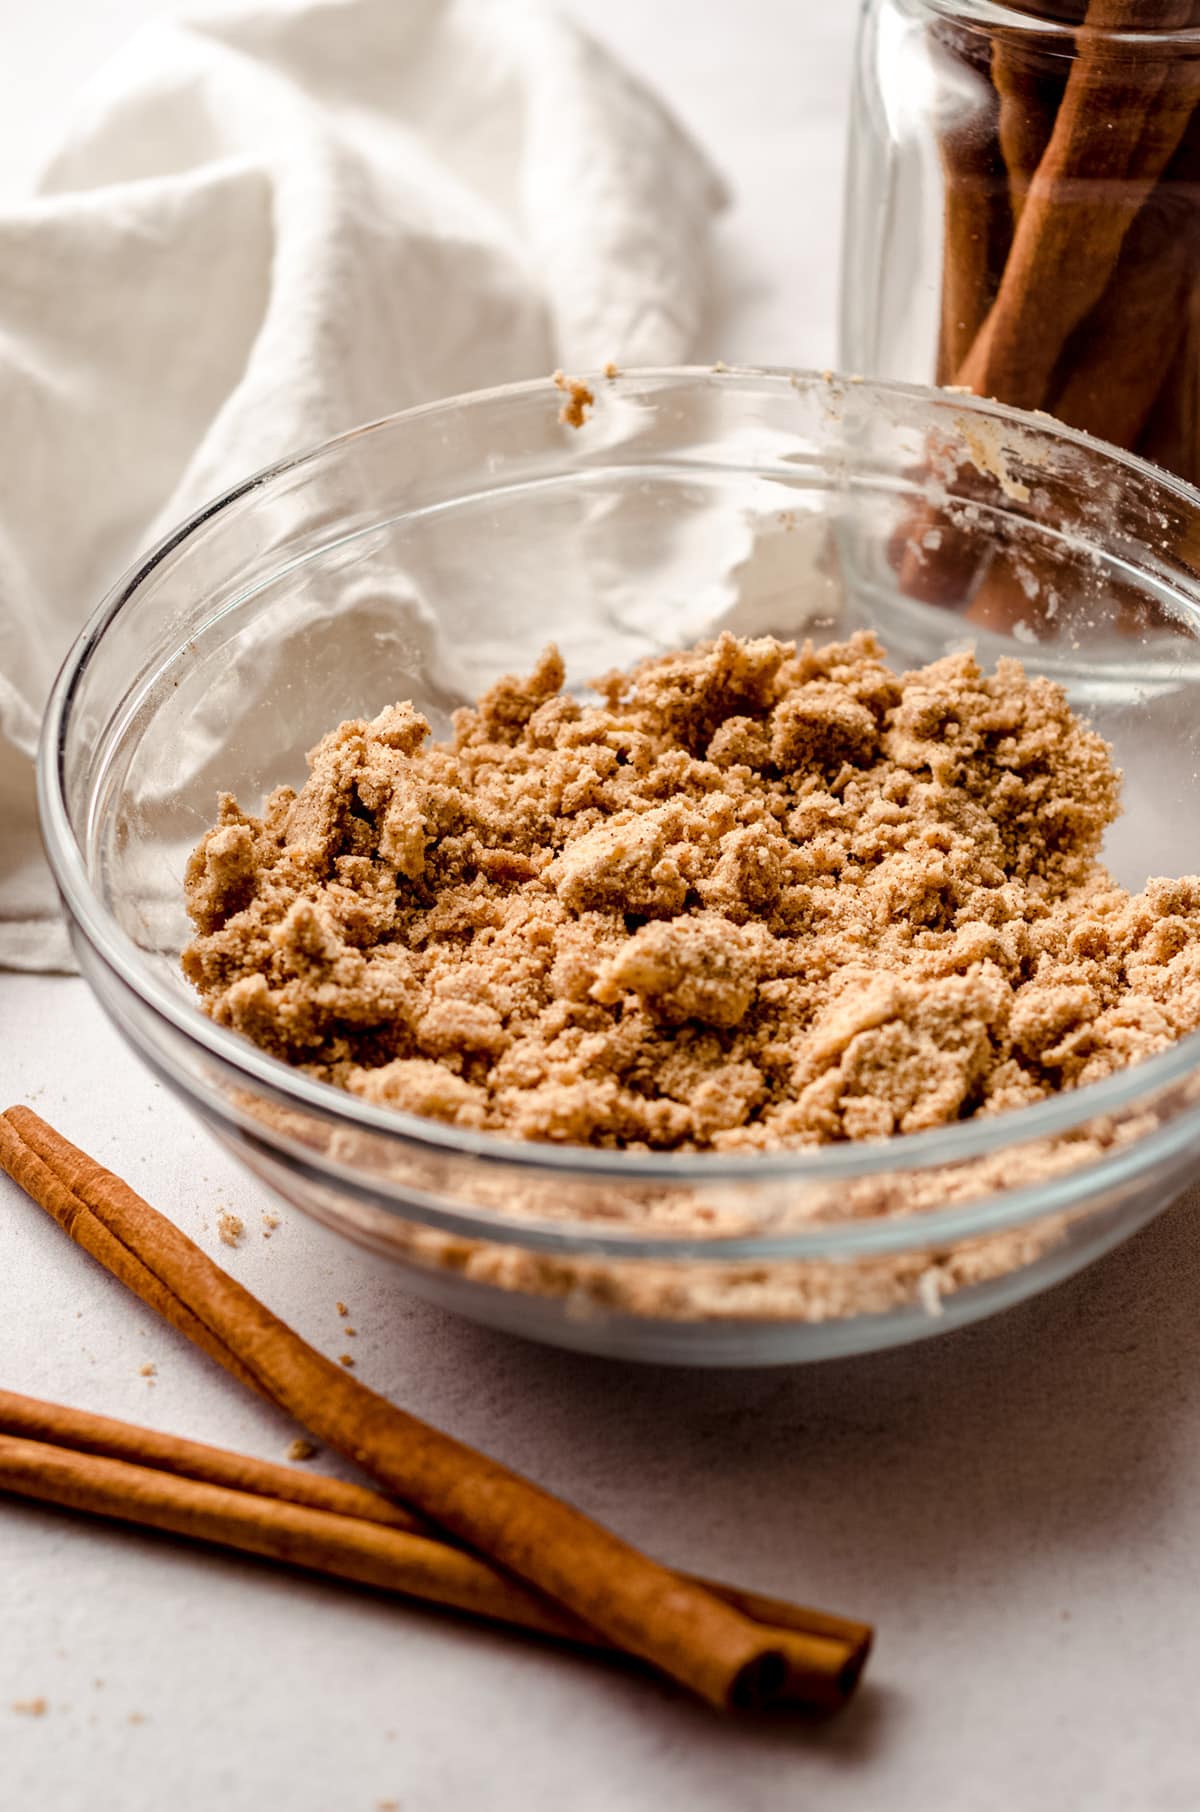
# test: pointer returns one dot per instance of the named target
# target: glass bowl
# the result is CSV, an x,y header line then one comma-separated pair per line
x,y
424,555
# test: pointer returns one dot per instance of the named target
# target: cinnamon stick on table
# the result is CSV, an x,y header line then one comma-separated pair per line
x,y
25,1167
640,1606
114,1469
30,1419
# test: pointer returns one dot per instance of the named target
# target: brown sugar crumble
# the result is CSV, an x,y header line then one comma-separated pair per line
x,y
230,1228
301,1449
347,1360
578,399
748,898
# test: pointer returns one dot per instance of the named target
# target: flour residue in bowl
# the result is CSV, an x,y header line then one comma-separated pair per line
x,y
748,897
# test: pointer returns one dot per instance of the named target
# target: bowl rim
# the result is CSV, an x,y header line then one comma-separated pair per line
x,y
89,918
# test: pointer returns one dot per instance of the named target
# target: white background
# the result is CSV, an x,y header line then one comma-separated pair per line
x,y
1017,1506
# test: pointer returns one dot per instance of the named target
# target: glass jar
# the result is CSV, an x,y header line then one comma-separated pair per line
x,y
1023,210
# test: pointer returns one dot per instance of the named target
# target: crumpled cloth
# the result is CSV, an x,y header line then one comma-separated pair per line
x,y
270,224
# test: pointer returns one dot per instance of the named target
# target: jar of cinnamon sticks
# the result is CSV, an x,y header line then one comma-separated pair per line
x,y
1023,210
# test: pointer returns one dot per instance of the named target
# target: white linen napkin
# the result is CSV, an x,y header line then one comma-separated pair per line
x,y
272,223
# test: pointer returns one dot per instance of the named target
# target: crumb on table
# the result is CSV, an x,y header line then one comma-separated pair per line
x,y
30,1708
230,1227
301,1449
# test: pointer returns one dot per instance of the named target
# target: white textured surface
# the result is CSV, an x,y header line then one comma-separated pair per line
x,y
1018,1506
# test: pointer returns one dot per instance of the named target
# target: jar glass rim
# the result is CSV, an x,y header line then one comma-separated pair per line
x,y
1014,15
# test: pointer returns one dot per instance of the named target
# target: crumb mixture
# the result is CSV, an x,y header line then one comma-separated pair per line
x,y
230,1228
748,898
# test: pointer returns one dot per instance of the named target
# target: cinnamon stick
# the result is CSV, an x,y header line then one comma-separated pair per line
x,y
1122,116
977,223
348,1547
637,1604
824,1656
1115,360
1028,101
1171,435
30,1419
38,1181
1029,70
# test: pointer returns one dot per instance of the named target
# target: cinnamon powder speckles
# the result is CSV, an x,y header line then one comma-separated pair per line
x,y
748,898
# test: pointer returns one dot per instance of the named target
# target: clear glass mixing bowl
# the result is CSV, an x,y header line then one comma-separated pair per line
x,y
422,556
